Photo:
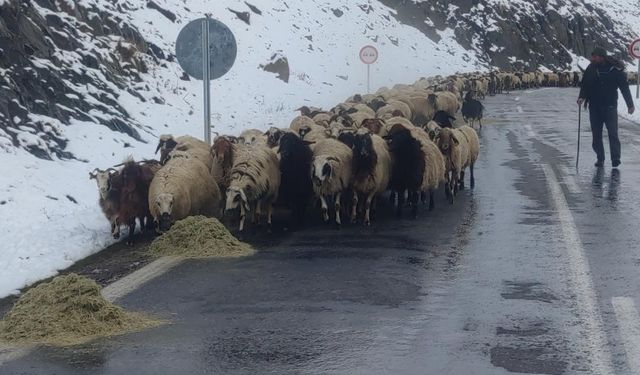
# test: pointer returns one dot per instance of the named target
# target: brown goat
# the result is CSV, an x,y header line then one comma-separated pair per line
x,y
134,180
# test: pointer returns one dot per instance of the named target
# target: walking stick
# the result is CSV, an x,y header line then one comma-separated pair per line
x,y
579,126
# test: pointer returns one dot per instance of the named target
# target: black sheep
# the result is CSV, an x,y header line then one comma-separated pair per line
x,y
295,186
444,119
409,167
472,109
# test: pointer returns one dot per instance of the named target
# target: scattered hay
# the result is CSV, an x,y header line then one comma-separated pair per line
x,y
199,237
67,310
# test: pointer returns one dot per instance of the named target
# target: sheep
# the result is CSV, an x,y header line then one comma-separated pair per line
x,y
322,118
443,119
392,106
252,136
331,174
308,128
474,152
109,196
134,180
359,117
300,121
472,109
309,111
167,143
295,182
419,165
182,188
254,182
363,108
444,101
274,135
200,153
455,149
376,126
433,129
222,153
371,171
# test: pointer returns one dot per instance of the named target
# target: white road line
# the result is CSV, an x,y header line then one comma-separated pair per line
x,y
581,280
570,180
133,281
111,293
629,328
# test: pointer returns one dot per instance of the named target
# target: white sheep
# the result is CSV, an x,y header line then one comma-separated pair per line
x,y
331,174
254,182
182,188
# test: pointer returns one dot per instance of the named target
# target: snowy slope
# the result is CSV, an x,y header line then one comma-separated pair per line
x,y
42,230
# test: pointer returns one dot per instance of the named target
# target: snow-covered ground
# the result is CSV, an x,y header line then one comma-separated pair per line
x,y
622,107
49,215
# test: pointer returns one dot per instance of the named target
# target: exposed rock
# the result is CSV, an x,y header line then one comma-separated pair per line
x,y
279,65
170,15
254,9
243,16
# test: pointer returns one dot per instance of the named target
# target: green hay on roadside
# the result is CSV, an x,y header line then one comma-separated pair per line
x,y
65,311
199,237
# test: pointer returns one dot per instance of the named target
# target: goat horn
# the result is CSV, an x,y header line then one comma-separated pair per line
x,y
160,144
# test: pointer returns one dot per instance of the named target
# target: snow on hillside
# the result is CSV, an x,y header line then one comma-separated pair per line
x,y
49,216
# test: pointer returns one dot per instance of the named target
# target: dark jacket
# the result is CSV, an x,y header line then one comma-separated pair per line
x,y
601,83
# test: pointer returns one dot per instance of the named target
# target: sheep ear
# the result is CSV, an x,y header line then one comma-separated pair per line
x,y
432,134
455,140
308,143
92,176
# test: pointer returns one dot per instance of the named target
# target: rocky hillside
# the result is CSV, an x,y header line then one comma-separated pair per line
x,y
527,34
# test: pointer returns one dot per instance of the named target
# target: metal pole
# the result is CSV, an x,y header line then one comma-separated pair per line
x,y
205,80
579,126
638,81
368,78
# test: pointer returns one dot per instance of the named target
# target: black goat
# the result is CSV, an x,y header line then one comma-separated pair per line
x,y
472,109
409,167
295,163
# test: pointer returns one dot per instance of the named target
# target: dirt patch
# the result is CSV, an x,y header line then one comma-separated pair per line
x,y
67,310
199,237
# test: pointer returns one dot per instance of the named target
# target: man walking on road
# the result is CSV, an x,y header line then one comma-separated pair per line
x,y
602,79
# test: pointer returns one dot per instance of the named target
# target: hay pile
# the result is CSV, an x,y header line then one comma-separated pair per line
x,y
199,237
67,310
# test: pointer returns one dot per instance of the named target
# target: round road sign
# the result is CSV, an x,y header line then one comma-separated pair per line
x,y
634,48
369,54
222,48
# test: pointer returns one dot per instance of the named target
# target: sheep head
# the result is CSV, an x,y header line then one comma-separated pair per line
x,y
164,204
103,180
235,198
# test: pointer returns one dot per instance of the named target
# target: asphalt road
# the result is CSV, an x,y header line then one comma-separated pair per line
x,y
535,271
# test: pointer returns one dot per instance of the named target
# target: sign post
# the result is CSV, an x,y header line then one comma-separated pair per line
x,y
634,50
368,55
206,49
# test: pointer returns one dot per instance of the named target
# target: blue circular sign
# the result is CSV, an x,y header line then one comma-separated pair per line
x,y
222,48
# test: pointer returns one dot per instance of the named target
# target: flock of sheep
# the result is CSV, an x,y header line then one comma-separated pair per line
x,y
400,139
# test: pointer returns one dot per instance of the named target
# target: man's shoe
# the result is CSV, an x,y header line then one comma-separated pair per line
x,y
615,163
599,164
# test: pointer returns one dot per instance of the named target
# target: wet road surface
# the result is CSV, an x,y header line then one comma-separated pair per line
x,y
535,271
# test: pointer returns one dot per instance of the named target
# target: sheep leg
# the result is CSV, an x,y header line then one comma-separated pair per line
x,y
354,206
269,214
367,209
461,181
337,206
413,198
243,215
115,229
472,182
132,232
257,213
432,203
400,204
325,208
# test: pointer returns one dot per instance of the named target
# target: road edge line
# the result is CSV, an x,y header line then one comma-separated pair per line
x,y
600,355
629,330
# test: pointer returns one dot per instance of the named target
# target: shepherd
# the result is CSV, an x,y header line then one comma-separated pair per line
x,y
599,91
